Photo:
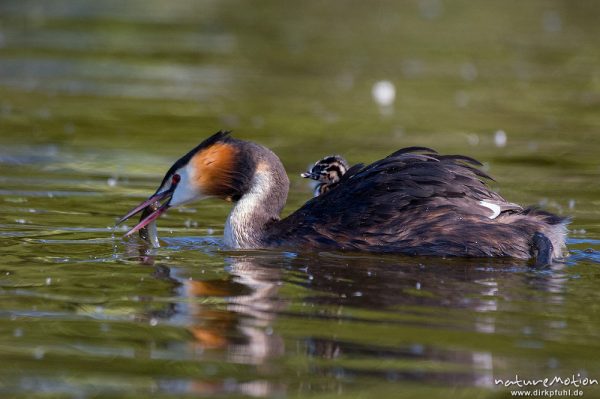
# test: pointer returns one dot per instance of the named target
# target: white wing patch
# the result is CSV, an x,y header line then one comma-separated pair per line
x,y
493,207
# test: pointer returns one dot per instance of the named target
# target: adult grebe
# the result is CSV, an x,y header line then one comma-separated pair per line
x,y
328,172
413,202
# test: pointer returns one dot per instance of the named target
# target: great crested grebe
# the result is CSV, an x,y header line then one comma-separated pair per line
x,y
328,172
413,202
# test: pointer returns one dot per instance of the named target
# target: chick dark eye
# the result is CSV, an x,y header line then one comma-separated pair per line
x,y
175,179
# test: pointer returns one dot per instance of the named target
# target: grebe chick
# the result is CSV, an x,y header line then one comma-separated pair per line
x,y
328,172
413,202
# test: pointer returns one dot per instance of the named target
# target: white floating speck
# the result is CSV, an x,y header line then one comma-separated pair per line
x,y
473,139
468,71
20,221
18,332
412,68
111,181
345,81
500,138
384,93
461,99
39,353
189,223
552,22
571,204
48,280
533,146
431,9
153,322
418,285
69,128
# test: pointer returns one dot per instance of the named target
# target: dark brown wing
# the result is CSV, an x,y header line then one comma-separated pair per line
x,y
408,202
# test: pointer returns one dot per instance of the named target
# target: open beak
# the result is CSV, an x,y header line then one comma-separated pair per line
x,y
152,216
310,175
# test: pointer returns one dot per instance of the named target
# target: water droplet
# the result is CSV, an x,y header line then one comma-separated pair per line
x,y
69,128
384,93
39,353
230,385
111,181
551,22
153,322
43,113
417,349
345,81
48,280
473,139
500,138
461,99
468,71
430,9
412,68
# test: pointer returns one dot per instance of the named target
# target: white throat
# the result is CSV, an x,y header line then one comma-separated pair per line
x,y
243,228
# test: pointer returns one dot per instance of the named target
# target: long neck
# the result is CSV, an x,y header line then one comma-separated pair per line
x,y
261,204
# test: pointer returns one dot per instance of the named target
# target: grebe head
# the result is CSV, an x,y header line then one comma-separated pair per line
x,y
222,167
327,171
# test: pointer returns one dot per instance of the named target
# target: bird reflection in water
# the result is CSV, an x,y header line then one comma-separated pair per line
x,y
236,316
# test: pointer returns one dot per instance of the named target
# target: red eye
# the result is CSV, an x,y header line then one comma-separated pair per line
x,y
176,179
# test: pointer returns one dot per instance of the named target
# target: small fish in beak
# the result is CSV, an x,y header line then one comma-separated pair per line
x,y
151,208
150,233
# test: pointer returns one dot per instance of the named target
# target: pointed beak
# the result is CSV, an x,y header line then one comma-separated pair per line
x,y
152,216
310,175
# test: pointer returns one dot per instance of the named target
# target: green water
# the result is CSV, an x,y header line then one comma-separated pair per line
x,y
97,99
